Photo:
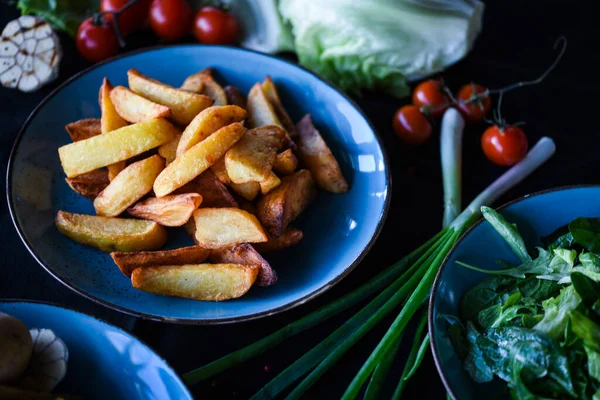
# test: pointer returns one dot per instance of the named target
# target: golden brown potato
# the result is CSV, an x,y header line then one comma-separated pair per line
x,y
111,147
197,159
260,110
111,234
290,237
218,227
184,105
89,185
135,108
235,96
133,183
270,91
84,129
285,162
245,254
221,171
174,210
168,151
270,183
251,159
127,262
210,282
204,83
213,192
190,229
207,122
110,121
283,204
317,157
248,191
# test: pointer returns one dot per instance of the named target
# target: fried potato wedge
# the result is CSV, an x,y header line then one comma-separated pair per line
x,y
109,121
168,151
248,191
84,129
285,162
235,96
207,122
111,147
317,157
260,110
218,227
111,234
184,105
270,91
209,282
270,183
89,185
133,183
190,229
252,157
245,254
197,159
290,237
221,171
135,108
203,82
213,192
173,210
129,261
283,204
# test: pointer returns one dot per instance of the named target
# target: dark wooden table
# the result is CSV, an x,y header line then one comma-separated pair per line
x,y
516,44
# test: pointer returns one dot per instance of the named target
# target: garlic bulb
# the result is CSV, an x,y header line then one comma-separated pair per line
x,y
48,364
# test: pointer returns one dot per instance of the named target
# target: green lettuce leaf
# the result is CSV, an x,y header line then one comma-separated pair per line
x,y
556,312
63,15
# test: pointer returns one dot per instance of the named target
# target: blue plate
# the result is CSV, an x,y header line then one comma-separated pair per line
x,y
105,362
338,229
536,216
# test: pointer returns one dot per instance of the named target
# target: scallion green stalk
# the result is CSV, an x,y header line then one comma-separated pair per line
x,y
451,135
412,356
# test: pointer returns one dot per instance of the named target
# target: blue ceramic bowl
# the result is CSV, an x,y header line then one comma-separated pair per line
x,y
536,216
338,229
105,362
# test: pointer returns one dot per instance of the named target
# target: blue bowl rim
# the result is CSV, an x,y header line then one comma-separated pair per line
x,y
438,277
249,317
46,303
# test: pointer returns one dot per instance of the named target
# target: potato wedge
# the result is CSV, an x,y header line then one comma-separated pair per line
x,y
127,262
251,159
218,227
109,121
174,210
316,156
168,151
135,108
84,129
197,159
102,150
285,162
245,254
283,204
111,234
133,183
190,229
248,191
209,282
290,237
204,83
89,185
184,105
270,91
270,183
207,122
260,110
213,192
235,96
221,171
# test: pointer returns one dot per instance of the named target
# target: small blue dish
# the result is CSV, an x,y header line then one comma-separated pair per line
x,y
338,229
105,362
536,216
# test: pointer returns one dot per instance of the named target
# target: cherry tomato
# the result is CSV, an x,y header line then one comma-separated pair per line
x,y
96,42
133,18
474,108
504,146
429,96
171,19
411,125
214,26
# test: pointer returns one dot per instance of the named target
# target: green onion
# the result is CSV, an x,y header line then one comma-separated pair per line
x,y
373,391
420,355
412,356
451,135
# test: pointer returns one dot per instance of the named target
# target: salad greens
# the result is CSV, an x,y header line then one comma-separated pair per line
x,y
536,325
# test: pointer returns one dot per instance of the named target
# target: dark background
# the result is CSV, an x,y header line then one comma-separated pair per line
x,y
516,44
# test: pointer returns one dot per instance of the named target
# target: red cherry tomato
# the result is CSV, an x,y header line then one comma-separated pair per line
x,y
474,108
171,19
96,42
133,18
429,96
504,146
214,26
411,125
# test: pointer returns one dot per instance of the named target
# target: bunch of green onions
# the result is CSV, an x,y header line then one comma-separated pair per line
x,y
411,281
